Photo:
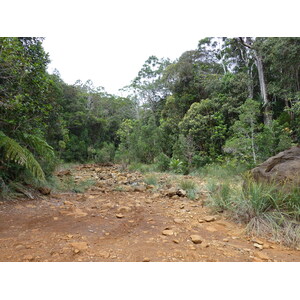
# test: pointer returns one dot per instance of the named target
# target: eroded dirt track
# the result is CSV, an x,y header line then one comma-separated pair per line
x,y
109,224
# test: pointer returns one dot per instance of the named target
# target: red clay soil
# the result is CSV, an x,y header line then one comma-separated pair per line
x,y
120,226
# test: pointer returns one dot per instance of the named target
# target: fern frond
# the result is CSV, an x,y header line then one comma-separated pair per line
x,y
39,145
13,151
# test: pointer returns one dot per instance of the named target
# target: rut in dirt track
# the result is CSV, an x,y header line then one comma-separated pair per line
x,y
123,219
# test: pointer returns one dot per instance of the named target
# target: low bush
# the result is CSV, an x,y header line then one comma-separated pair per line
x,y
105,154
162,162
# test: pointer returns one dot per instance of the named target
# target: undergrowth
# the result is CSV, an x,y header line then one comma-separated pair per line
x,y
151,179
68,184
190,187
266,208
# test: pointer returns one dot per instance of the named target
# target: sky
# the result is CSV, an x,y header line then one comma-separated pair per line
x,y
107,41
110,40
112,63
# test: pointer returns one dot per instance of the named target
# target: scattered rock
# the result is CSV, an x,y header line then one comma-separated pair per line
x,y
79,213
104,254
146,259
167,232
108,205
262,256
259,246
127,188
257,241
196,239
79,246
179,221
155,195
28,257
226,240
119,216
171,192
181,193
68,203
201,221
139,188
181,206
44,190
176,241
209,218
256,259
20,247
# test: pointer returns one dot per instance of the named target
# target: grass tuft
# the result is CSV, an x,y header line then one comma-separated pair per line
x,y
151,180
190,187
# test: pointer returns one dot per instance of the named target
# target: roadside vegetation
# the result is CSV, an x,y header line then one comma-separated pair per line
x,y
268,210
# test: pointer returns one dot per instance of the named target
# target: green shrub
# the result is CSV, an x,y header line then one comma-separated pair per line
x,y
105,154
162,162
200,160
176,165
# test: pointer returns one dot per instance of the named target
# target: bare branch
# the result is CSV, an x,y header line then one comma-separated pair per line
x,y
244,43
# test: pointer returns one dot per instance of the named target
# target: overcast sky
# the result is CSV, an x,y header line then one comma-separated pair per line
x,y
108,41
112,62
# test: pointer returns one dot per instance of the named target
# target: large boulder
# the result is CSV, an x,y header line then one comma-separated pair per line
x,y
281,168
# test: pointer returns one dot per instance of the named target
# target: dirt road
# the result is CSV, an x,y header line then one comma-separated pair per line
x,y
109,223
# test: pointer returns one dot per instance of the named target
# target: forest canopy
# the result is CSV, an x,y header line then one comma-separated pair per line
x,y
230,99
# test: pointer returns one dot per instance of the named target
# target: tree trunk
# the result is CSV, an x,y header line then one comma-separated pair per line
x,y
262,83
252,143
250,82
263,89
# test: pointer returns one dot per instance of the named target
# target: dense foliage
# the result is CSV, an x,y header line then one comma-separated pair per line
x,y
231,98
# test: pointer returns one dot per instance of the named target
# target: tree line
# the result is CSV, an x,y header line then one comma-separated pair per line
x,y
230,99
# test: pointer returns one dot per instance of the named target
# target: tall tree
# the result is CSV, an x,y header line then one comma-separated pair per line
x,y
250,44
